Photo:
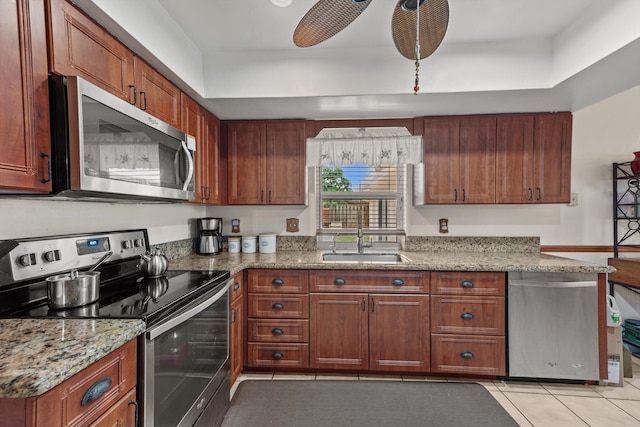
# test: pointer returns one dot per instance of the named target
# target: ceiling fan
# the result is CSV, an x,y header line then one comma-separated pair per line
x,y
328,17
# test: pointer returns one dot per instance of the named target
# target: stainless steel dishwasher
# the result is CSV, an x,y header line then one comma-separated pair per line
x,y
553,325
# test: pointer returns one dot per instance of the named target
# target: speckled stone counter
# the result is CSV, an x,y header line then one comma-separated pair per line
x,y
38,354
433,260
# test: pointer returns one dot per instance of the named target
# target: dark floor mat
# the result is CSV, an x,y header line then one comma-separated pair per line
x,y
291,403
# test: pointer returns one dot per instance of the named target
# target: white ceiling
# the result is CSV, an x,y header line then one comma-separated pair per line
x,y
497,56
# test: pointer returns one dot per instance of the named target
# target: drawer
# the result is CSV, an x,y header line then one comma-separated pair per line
x,y
278,355
278,281
287,306
369,281
467,315
122,412
114,375
468,354
237,287
278,330
467,283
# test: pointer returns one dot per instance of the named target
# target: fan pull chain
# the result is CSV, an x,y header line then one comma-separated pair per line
x,y
416,86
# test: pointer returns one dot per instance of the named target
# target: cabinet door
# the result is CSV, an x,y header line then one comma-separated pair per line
x,y
156,95
122,414
286,170
399,333
477,160
440,140
236,330
246,163
80,47
213,170
552,158
514,159
192,124
24,113
338,331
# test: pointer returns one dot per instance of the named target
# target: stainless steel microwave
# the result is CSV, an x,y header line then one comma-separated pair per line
x,y
104,147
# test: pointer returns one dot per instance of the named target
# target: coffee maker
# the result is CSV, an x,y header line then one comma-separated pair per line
x,y
210,236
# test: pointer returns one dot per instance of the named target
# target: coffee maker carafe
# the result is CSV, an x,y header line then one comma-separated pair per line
x,y
210,236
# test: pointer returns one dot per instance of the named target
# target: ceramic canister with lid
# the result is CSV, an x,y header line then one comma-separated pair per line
x,y
267,243
234,244
249,244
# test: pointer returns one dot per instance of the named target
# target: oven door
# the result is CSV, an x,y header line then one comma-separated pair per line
x,y
185,362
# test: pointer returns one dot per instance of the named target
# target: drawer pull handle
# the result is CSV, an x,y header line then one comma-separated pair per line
x,y
277,281
136,416
277,306
467,316
277,331
466,355
236,286
397,282
96,390
466,284
339,281
277,355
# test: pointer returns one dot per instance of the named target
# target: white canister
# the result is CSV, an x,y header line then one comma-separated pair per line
x,y
267,243
249,244
234,244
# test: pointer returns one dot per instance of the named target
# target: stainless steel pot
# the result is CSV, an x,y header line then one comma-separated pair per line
x,y
73,289
153,264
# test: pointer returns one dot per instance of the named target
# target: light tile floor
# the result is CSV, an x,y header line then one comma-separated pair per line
x,y
532,404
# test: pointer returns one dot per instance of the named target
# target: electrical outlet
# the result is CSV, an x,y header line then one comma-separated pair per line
x,y
574,199
292,225
444,225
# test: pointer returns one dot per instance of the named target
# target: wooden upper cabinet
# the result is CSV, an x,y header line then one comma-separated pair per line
x,y
24,113
266,163
286,160
215,168
193,124
80,47
459,159
155,94
533,161
245,162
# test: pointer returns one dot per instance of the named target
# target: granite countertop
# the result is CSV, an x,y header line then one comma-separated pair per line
x,y
38,354
418,260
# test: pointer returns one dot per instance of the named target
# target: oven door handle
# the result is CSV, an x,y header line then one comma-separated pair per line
x,y
158,330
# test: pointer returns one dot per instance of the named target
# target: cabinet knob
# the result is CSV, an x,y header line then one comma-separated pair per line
x,y
277,331
277,281
466,284
339,281
236,286
466,355
397,282
277,306
48,178
467,315
277,355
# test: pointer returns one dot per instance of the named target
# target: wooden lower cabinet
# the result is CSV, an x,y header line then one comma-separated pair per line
x,y
278,319
468,354
369,332
62,406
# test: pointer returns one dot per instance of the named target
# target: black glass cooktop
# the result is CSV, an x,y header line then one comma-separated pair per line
x,y
137,297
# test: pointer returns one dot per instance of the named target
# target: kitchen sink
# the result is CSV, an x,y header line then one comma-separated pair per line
x,y
374,258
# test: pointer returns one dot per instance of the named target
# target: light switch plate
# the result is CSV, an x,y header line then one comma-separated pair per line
x,y
292,225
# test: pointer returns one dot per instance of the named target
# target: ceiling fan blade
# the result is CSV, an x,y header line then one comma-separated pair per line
x,y
434,20
325,19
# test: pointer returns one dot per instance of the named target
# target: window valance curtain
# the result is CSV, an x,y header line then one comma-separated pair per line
x,y
368,146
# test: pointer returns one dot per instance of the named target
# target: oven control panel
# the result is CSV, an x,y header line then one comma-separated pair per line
x,y
52,255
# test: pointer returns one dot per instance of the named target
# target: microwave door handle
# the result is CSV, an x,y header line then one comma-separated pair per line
x,y
189,163
171,323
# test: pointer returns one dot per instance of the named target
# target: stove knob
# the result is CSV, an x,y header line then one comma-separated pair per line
x,y
127,244
138,243
51,256
26,260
